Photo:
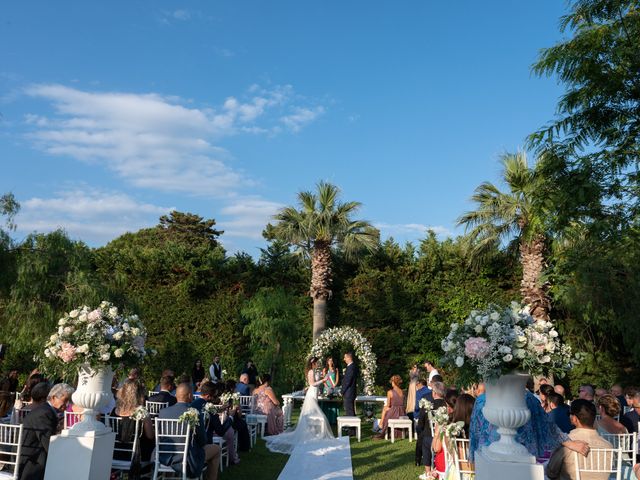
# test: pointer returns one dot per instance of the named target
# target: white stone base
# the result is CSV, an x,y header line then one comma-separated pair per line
x,y
80,457
487,469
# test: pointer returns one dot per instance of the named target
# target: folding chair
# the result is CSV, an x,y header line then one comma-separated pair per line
x,y
128,449
154,407
71,418
466,469
247,404
10,449
599,460
224,450
627,442
172,437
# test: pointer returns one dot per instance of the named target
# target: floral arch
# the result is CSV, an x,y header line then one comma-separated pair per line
x,y
361,348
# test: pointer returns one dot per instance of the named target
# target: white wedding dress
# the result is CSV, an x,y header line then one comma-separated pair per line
x,y
312,426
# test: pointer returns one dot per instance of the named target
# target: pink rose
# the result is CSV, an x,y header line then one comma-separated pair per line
x,y
67,352
476,348
95,315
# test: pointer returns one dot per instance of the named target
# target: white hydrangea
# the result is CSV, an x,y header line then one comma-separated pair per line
x,y
82,348
74,313
119,353
118,335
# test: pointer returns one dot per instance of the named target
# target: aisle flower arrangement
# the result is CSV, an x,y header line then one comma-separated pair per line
x,y
499,340
96,337
228,397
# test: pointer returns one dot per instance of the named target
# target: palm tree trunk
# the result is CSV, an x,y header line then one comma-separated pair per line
x,y
320,289
534,291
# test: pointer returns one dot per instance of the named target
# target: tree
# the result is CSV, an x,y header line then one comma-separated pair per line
x,y
598,122
503,216
9,207
189,228
321,224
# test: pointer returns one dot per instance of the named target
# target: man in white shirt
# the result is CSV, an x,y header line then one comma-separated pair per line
x,y
215,370
431,369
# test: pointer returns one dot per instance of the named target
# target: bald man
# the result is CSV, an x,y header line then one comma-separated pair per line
x,y
199,452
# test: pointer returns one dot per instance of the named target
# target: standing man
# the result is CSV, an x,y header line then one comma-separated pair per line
x,y
215,370
428,365
349,385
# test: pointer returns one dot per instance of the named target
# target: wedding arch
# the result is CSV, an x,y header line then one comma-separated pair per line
x,y
361,348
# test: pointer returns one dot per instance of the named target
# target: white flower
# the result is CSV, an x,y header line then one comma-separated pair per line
x,y
53,338
113,312
74,313
105,357
459,362
62,321
473,313
126,327
478,329
454,327
545,359
508,357
118,335
494,316
553,333
68,330
118,353
60,330
83,317
83,348
135,331
47,353
504,349
519,353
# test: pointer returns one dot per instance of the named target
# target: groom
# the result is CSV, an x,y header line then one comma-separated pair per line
x,y
349,385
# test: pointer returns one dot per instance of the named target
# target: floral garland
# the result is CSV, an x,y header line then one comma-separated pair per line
x,y
229,397
361,347
192,417
140,413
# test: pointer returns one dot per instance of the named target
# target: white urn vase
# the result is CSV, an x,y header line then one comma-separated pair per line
x,y
506,407
93,394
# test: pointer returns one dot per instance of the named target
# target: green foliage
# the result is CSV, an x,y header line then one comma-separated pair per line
x,y
278,334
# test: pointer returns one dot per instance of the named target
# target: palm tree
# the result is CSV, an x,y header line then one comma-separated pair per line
x,y
513,215
319,225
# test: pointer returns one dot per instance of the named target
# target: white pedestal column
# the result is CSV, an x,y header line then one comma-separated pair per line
x,y
487,469
81,457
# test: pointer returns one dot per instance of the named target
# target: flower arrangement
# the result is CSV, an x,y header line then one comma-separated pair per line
x,y
426,404
361,347
192,417
95,336
498,340
140,413
440,416
229,397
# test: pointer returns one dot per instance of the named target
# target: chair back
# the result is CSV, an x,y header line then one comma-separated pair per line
x,y
461,458
599,460
151,393
432,423
20,414
172,438
129,448
247,404
627,442
71,418
10,448
154,407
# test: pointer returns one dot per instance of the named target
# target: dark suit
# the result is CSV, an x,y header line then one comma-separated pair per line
x,y
560,416
163,396
423,445
38,426
349,389
196,448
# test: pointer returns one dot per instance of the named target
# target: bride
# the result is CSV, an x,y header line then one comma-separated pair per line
x,y
312,425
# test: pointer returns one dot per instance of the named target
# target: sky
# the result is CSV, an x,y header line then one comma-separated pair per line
x,y
115,113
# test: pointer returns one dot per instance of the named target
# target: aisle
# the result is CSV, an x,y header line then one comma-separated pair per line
x,y
326,460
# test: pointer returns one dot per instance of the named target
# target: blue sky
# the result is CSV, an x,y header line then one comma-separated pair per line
x,y
115,112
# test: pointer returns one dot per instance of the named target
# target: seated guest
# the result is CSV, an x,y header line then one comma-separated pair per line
x,y
559,389
213,425
608,408
562,463
543,394
599,392
267,404
461,412
629,392
199,452
559,412
242,387
164,395
39,426
229,386
630,419
422,391
586,392
129,398
166,373
394,408
616,391
197,373
252,372
423,428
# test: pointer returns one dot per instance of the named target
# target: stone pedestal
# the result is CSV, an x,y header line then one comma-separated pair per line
x,y
487,469
81,457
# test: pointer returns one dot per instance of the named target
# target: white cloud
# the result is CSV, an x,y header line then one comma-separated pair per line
x,y
301,116
89,214
410,231
181,15
247,217
155,141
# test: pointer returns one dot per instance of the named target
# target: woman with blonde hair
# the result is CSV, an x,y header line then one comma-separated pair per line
x,y
129,398
609,408
394,407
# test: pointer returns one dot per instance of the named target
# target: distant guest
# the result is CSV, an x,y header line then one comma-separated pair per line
x,y
242,387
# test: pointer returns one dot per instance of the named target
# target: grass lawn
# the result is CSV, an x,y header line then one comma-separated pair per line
x,y
371,460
